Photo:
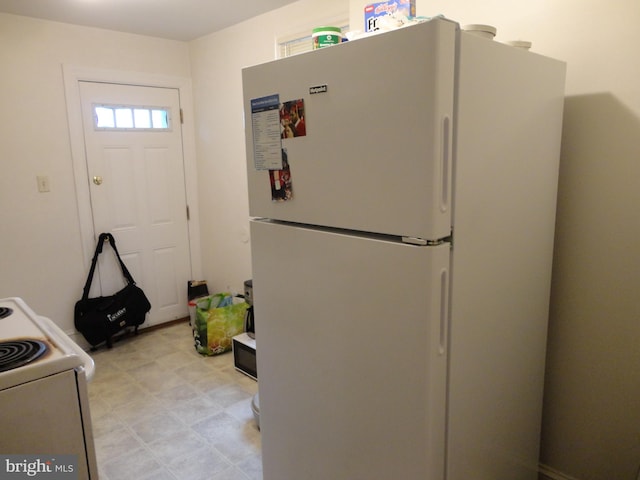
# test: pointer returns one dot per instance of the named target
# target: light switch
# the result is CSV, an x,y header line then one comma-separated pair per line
x,y
43,184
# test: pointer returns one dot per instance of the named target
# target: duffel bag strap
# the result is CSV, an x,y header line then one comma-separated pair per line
x,y
125,271
94,261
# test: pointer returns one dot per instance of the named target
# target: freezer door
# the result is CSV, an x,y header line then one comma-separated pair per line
x,y
351,348
376,152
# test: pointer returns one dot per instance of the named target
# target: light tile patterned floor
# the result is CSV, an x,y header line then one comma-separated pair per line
x,y
161,411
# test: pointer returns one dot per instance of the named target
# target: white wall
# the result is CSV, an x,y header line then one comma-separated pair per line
x,y
41,255
217,60
592,398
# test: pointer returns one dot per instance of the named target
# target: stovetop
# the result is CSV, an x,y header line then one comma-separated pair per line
x,y
33,347
16,353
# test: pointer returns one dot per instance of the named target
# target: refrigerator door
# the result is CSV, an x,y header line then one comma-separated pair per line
x,y
351,336
376,155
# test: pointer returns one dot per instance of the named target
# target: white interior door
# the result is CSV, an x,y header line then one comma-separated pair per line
x,y
137,190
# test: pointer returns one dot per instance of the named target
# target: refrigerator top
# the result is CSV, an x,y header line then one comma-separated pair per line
x,y
357,136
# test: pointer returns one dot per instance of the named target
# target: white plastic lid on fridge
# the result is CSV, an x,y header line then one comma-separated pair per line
x,y
484,31
519,44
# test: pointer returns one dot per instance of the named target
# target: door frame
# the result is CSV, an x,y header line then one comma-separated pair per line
x,y
73,75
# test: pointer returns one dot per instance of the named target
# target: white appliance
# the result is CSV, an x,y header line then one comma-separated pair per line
x,y
402,255
244,345
43,389
244,354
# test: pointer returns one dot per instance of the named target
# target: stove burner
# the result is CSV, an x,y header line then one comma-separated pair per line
x,y
14,354
5,312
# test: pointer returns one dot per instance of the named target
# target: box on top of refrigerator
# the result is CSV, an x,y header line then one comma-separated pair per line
x,y
374,11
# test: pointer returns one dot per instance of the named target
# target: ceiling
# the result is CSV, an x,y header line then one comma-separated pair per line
x,y
173,19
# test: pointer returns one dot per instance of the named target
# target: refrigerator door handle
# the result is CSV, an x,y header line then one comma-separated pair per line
x,y
445,163
444,310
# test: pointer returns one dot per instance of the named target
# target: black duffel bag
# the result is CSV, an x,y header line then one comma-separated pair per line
x,y
99,319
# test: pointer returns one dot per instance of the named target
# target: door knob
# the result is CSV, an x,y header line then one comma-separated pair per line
x,y
97,180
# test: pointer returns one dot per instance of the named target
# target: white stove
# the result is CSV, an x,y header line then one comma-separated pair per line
x,y
43,388
18,323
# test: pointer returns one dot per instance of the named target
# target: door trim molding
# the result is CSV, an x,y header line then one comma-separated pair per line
x,y
72,76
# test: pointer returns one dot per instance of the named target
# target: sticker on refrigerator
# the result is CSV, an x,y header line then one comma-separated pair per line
x,y
292,119
281,186
265,123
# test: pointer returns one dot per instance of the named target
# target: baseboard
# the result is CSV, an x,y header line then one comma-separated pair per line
x,y
548,473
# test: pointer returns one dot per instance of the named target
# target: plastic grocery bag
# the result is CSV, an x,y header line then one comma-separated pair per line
x,y
219,318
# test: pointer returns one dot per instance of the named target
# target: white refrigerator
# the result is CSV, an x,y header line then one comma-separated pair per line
x,y
402,190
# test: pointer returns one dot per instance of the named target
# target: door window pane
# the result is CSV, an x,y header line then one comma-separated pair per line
x,y
141,118
160,118
124,118
104,117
